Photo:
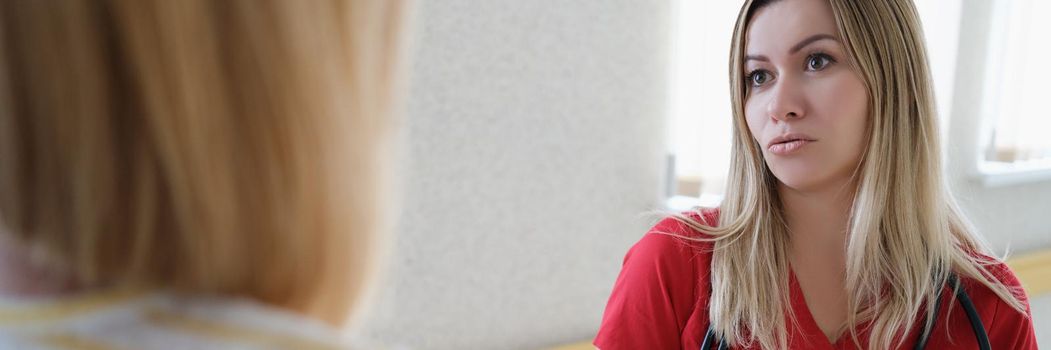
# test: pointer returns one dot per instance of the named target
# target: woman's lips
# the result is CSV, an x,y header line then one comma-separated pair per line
x,y
788,147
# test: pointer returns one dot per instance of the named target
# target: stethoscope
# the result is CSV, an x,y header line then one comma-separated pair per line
x,y
965,301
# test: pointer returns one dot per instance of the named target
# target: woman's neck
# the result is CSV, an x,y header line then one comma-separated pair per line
x,y
818,225
818,219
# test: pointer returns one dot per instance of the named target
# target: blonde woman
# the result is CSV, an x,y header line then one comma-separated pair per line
x,y
837,230
190,174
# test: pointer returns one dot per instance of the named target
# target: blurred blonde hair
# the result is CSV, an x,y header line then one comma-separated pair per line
x,y
906,233
231,147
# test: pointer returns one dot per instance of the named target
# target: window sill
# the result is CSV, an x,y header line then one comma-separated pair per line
x,y
998,174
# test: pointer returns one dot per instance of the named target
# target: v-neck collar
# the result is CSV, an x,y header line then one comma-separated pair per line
x,y
813,336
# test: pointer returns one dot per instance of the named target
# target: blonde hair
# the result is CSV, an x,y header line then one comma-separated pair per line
x,y
906,232
229,147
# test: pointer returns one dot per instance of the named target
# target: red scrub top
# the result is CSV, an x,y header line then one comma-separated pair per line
x,y
660,301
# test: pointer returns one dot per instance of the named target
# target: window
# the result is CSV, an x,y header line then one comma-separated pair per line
x,y
700,120
1016,140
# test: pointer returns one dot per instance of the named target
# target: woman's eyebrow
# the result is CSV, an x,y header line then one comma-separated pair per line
x,y
756,58
803,43
810,40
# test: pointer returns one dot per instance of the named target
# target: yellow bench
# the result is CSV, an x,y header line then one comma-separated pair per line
x,y
1034,270
584,345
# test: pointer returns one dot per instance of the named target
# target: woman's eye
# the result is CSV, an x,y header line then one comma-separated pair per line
x,y
818,61
758,77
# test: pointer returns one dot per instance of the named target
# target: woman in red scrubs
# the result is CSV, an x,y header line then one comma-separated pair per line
x,y
837,230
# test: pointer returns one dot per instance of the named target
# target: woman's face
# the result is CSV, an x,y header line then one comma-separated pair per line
x,y
805,106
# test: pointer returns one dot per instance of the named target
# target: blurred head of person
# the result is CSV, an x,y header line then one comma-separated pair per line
x,y
216,147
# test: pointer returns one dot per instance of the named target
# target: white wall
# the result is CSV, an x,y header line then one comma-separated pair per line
x,y
535,135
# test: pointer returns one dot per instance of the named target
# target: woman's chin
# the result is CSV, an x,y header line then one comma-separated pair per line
x,y
811,181
802,181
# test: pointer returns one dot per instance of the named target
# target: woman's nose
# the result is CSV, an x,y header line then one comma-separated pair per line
x,y
786,103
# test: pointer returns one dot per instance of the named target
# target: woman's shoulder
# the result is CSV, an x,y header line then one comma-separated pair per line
x,y
129,318
996,269
1005,324
245,317
656,293
673,250
687,224
674,253
677,236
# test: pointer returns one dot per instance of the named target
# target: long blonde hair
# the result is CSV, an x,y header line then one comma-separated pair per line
x,y
230,147
906,231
